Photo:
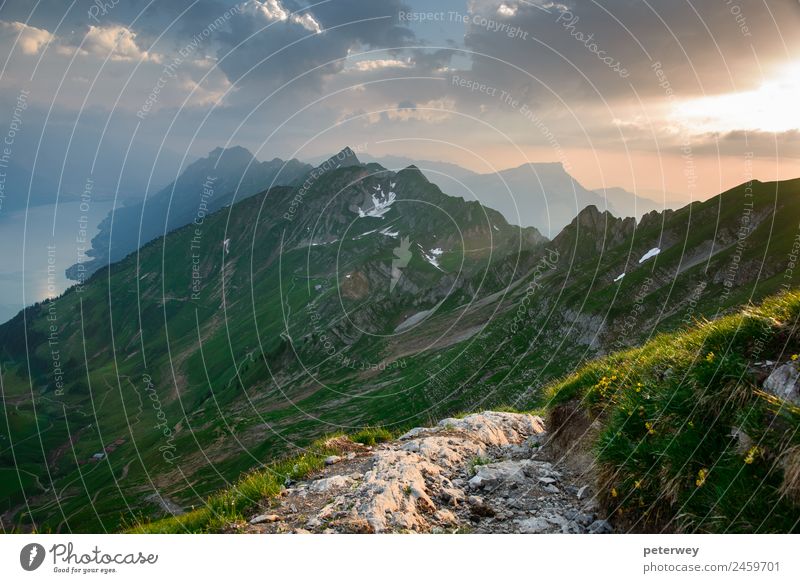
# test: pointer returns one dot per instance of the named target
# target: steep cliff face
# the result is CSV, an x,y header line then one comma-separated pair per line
x,y
592,232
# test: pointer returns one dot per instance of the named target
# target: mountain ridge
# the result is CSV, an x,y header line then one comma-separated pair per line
x,y
314,302
521,191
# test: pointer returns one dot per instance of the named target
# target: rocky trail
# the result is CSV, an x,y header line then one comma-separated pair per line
x,y
489,472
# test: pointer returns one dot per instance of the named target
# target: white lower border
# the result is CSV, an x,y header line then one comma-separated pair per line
x,y
404,558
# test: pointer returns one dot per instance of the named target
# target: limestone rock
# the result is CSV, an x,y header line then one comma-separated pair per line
x,y
506,471
264,518
534,525
421,483
783,383
327,484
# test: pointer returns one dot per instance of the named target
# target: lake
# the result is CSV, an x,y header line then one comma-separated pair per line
x,y
40,240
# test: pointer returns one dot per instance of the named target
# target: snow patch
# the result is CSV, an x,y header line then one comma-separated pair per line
x,y
325,243
357,237
432,256
652,253
226,246
381,204
619,277
389,233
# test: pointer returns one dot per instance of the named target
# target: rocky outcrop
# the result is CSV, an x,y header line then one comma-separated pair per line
x,y
592,231
487,472
783,382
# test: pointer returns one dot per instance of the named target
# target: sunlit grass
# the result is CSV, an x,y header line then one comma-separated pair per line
x,y
232,505
687,440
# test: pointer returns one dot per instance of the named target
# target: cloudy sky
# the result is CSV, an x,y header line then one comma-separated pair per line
x,y
683,97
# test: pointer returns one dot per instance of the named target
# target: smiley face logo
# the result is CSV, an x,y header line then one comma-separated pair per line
x,y
31,556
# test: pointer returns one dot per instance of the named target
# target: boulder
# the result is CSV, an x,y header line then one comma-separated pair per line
x,y
506,471
533,525
783,383
327,484
261,518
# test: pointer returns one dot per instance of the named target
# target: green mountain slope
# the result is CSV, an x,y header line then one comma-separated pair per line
x,y
714,257
682,434
223,344
357,297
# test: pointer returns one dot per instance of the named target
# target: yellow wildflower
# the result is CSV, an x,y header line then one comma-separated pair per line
x,y
794,357
751,455
701,477
710,357
613,492
649,427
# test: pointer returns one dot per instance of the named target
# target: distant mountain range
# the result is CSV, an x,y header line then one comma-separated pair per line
x,y
543,196
354,295
540,195
208,184
59,169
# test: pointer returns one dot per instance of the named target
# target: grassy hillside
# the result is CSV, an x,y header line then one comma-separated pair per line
x,y
684,435
205,353
680,432
294,331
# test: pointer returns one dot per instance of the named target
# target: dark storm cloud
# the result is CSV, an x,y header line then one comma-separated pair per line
x,y
260,50
182,17
579,49
432,60
594,61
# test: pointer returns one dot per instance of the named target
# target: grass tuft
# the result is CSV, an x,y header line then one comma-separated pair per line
x,y
372,436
